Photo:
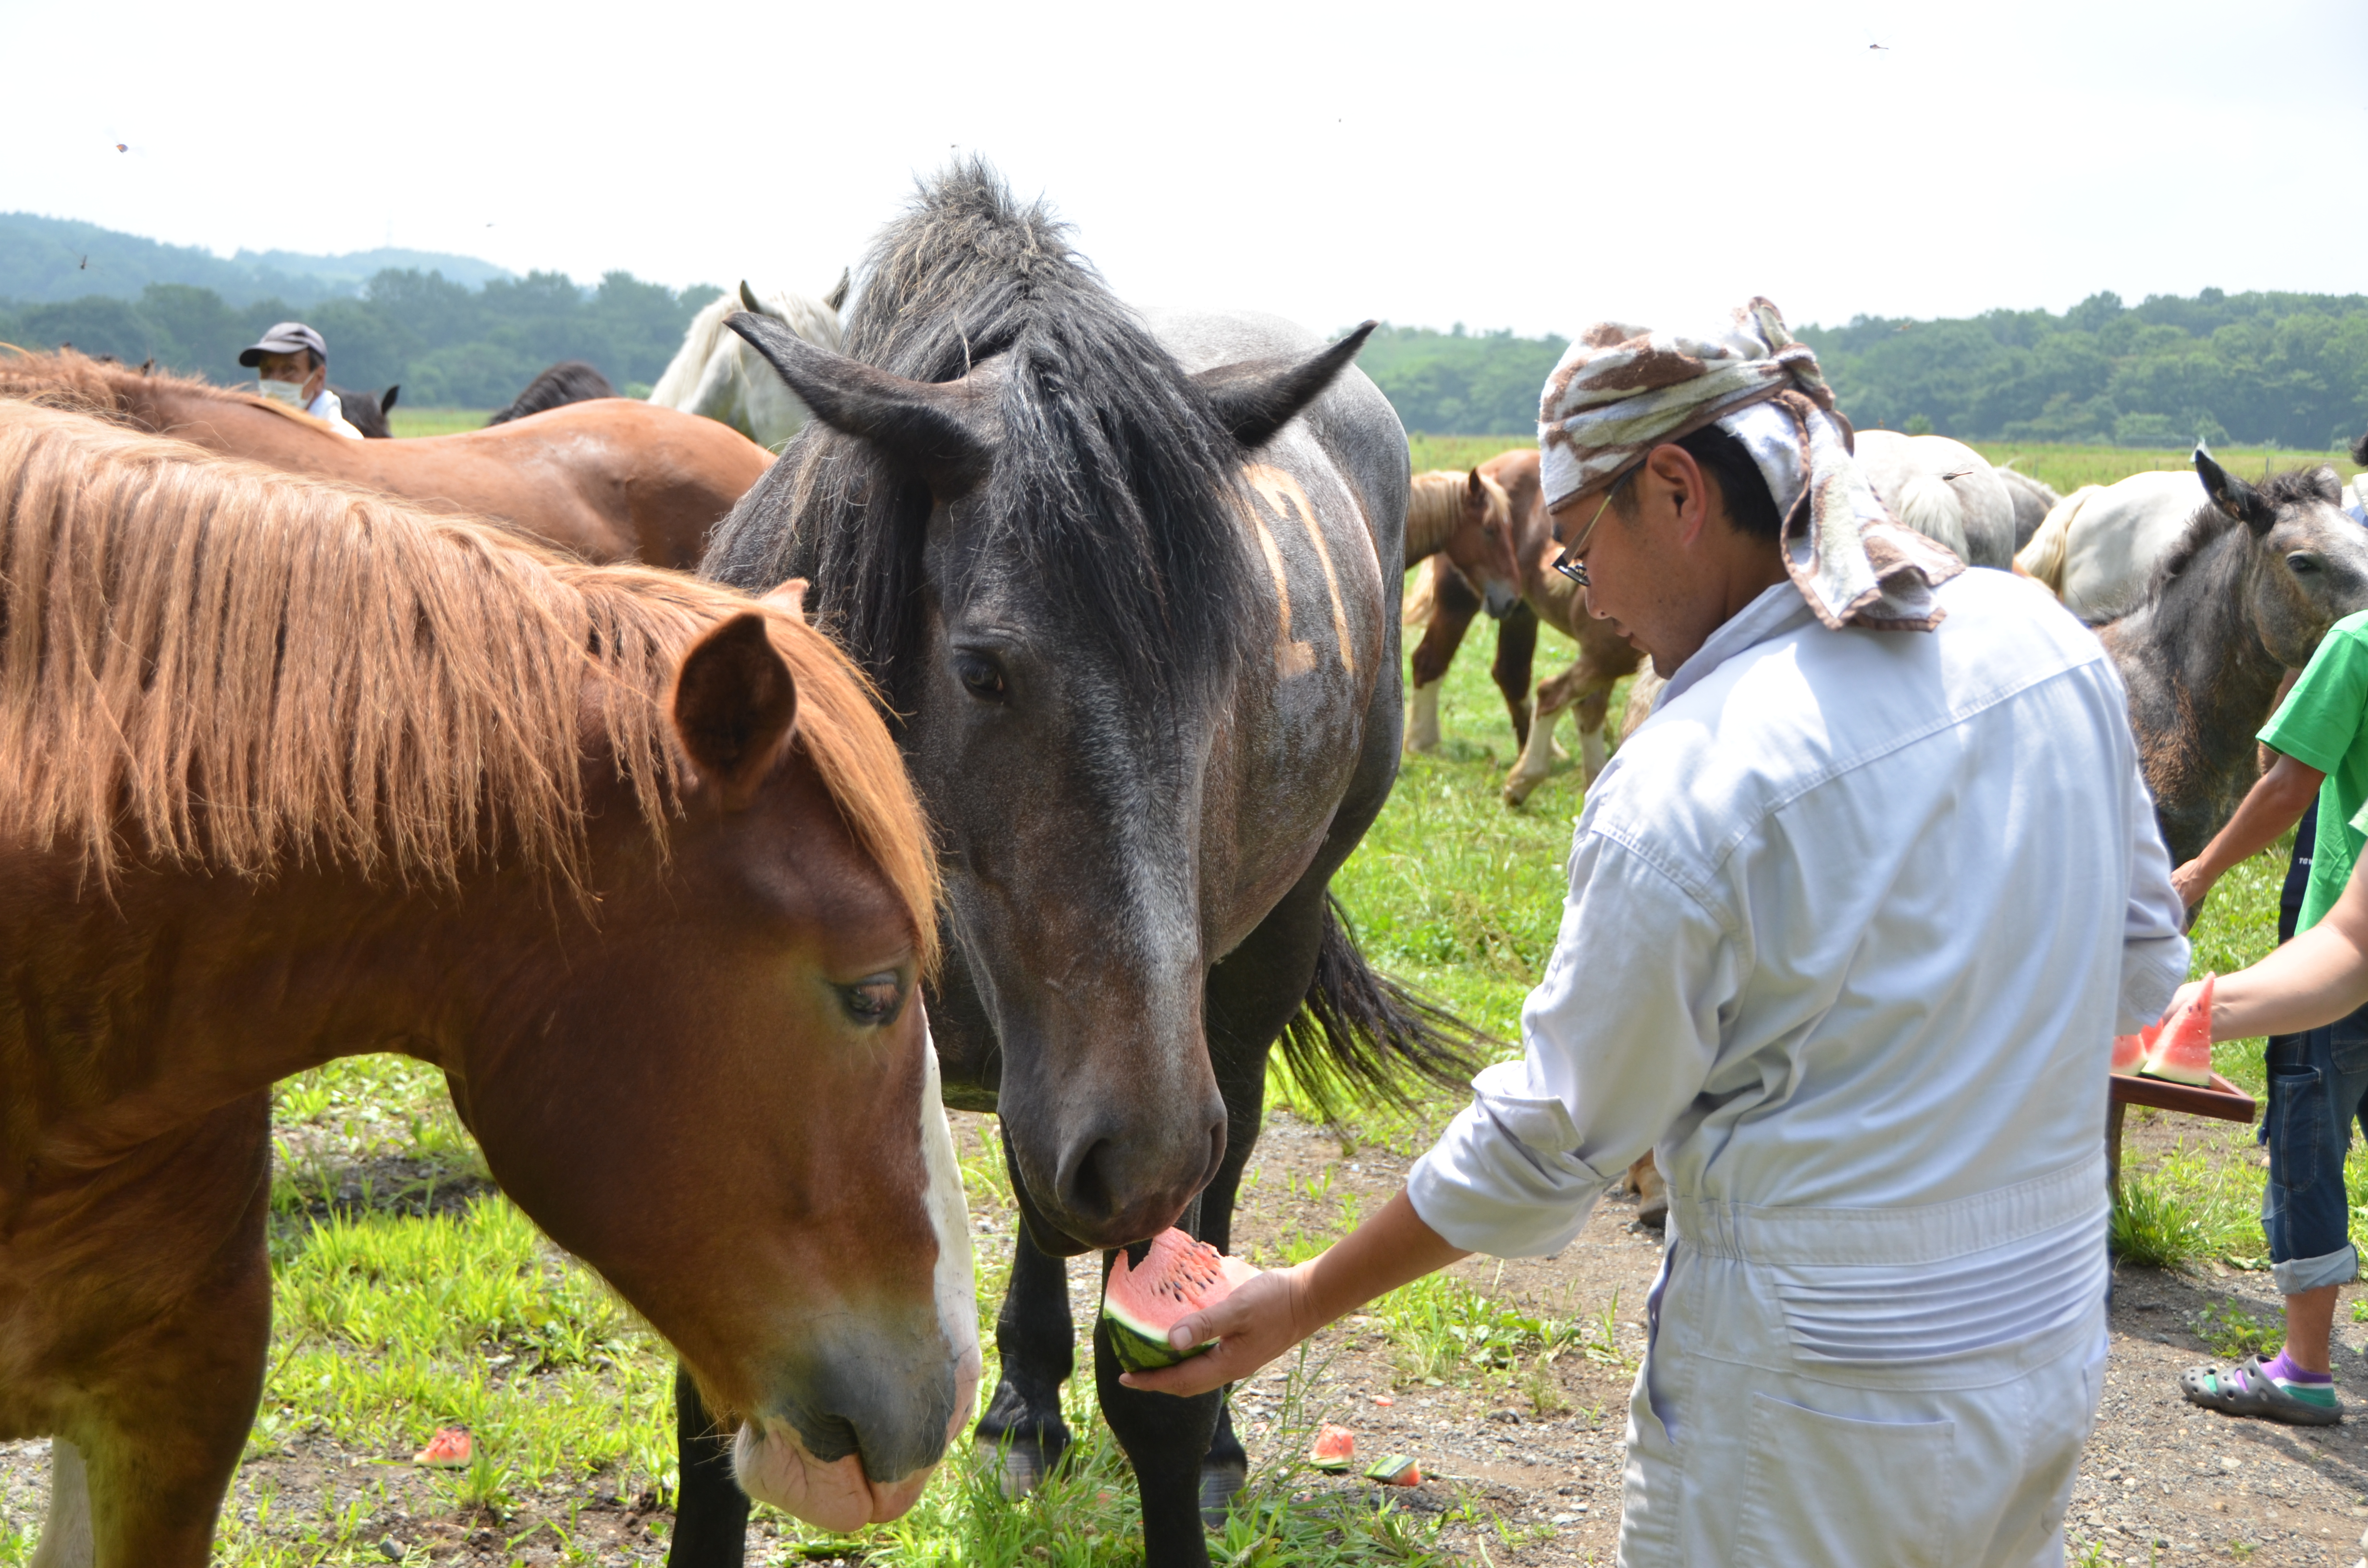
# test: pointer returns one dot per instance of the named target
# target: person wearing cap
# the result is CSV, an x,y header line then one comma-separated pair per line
x,y
1852,922
292,366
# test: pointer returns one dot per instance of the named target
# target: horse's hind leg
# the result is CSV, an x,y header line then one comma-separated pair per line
x,y
66,1537
1517,651
1036,1341
710,1512
1537,757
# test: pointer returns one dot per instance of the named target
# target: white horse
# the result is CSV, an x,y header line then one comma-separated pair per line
x,y
2099,545
1944,490
717,375
2033,501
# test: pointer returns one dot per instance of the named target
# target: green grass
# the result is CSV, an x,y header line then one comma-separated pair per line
x,y
2066,467
406,421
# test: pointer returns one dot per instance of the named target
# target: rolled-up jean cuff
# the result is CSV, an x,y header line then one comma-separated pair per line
x,y
2299,1274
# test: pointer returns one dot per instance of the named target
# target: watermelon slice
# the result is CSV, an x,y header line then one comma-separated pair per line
x,y
449,1450
1397,1470
1176,1279
1334,1448
2130,1049
2183,1051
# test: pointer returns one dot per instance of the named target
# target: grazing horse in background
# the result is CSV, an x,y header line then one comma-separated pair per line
x,y
291,772
2244,596
2033,501
717,376
2101,544
611,480
1944,490
570,380
367,411
1463,525
1128,584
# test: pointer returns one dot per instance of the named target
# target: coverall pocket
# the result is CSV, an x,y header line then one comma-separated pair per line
x,y
1830,1492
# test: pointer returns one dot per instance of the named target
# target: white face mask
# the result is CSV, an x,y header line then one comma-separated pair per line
x,y
289,392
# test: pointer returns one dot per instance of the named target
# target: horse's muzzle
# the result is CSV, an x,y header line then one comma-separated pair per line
x,y
774,1465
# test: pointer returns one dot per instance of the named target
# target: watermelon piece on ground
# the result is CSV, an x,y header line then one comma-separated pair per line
x,y
2182,1051
1397,1470
2130,1049
449,1450
1334,1448
1176,1279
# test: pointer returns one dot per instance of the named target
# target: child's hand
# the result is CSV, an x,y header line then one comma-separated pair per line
x,y
1258,1323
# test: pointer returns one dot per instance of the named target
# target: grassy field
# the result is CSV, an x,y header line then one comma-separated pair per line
x,y
410,1295
2065,467
406,422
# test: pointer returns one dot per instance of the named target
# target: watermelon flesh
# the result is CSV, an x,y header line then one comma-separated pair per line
x,y
1334,1448
2183,1051
2130,1049
1176,1279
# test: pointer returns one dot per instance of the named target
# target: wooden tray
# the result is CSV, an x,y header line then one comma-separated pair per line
x,y
2223,1099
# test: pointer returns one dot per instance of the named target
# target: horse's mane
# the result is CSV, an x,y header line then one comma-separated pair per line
x,y
1113,481
811,319
570,380
209,664
72,379
1435,509
2206,528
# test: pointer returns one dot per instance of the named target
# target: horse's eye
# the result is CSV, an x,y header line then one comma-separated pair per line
x,y
875,999
979,677
2299,564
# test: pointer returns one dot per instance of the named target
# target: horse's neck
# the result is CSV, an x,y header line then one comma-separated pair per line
x,y
1433,512
2199,635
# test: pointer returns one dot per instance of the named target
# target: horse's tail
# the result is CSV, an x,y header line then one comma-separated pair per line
x,y
1419,603
2050,545
1360,1034
1925,502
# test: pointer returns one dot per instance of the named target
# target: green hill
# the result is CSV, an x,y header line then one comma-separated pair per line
x,y
47,260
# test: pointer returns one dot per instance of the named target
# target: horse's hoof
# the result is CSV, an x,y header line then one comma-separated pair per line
x,y
1218,1484
1019,1464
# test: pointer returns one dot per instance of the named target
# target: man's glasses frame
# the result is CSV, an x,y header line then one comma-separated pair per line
x,y
1568,562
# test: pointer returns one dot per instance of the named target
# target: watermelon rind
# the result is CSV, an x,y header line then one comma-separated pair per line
x,y
1141,1347
1395,1469
2182,1052
1335,1448
1139,1342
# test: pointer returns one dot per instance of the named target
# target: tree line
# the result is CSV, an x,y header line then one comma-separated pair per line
x,y
448,345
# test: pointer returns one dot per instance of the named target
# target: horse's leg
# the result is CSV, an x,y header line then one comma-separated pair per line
x,y
65,1537
1537,757
1517,652
1036,1341
710,1512
156,1428
1454,604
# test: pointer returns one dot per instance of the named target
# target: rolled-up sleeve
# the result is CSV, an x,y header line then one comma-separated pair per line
x,y
2154,944
1617,1039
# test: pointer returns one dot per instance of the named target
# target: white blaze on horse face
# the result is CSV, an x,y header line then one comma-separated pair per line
x,y
950,1217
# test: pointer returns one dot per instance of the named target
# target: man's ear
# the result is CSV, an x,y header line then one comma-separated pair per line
x,y
736,705
791,596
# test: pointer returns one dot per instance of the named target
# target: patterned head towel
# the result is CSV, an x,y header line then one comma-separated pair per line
x,y
1621,391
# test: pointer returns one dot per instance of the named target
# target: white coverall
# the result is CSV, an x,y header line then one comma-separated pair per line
x,y
1852,921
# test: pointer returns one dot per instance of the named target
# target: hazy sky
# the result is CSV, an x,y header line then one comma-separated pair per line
x,y
1530,166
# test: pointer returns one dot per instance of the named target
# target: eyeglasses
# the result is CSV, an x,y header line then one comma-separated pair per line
x,y
1568,562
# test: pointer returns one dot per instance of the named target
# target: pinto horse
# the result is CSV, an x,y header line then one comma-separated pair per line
x,y
290,772
1129,585
612,480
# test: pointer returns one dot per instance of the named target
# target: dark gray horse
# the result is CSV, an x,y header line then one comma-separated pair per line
x,y
367,411
2033,501
1130,590
2244,596
570,380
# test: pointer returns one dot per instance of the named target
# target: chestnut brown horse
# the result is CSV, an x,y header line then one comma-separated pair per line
x,y
290,772
611,479
1584,689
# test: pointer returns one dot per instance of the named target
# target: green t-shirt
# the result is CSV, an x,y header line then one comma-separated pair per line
x,y
2324,723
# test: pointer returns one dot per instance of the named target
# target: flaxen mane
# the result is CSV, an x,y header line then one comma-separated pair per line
x,y
206,663
1113,477
116,391
1435,509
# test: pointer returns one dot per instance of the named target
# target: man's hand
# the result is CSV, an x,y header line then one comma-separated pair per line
x,y
2192,884
1258,1323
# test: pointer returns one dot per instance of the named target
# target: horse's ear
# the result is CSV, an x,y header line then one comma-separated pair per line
x,y
734,705
1476,491
1257,397
2232,494
939,427
386,398
748,299
837,299
791,596
2329,483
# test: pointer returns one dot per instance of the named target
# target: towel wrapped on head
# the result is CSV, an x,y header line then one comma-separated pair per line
x,y
1619,390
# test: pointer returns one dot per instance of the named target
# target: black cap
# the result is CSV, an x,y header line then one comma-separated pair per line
x,y
288,337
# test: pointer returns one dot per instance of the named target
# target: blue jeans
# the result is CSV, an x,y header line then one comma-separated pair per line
x,y
2317,1084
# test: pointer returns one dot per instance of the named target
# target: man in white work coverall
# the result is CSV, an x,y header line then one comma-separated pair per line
x,y
1852,921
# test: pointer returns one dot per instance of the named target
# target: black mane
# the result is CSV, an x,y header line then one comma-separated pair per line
x,y
570,380
2207,527
1114,484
